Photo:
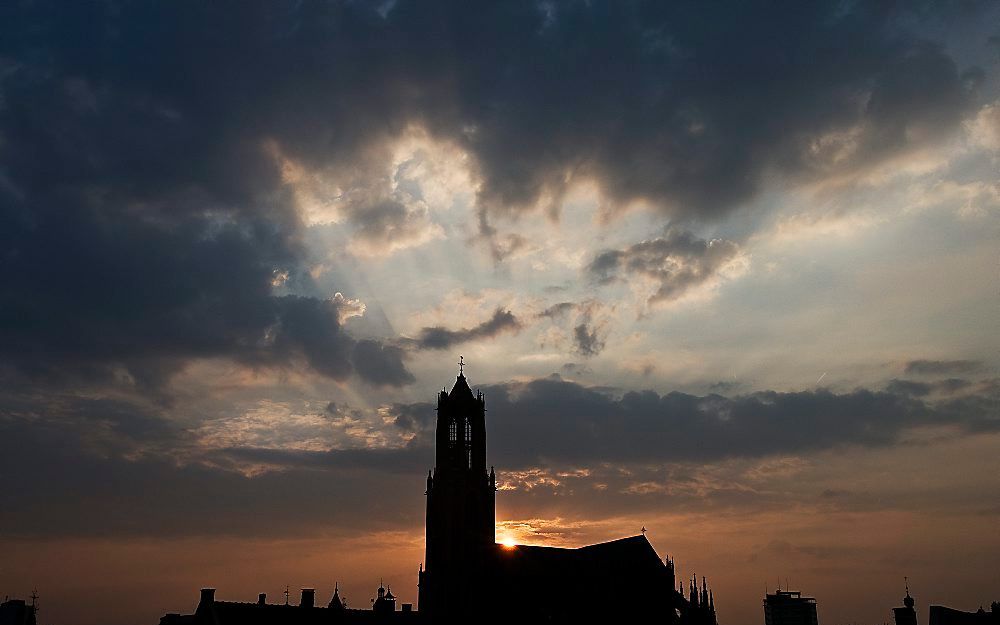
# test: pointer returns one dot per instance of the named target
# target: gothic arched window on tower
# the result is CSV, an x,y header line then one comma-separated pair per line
x,y
468,445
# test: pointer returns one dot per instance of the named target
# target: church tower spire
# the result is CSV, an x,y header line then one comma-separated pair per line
x,y
461,502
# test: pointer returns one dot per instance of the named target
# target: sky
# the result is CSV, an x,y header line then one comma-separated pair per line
x,y
726,271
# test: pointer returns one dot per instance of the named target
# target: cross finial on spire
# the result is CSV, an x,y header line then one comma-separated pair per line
x,y
461,365
643,530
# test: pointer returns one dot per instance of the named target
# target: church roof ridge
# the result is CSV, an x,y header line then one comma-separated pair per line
x,y
622,540
608,543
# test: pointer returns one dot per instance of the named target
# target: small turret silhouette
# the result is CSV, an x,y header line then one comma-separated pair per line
x,y
336,603
905,615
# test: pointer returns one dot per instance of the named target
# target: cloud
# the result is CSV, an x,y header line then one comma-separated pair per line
x,y
587,341
380,364
591,329
556,422
161,164
139,236
941,367
675,263
690,117
348,308
118,468
160,215
909,387
70,492
984,129
920,389
390,224
683,119
383,194
558,310
439,337
414,418
587,326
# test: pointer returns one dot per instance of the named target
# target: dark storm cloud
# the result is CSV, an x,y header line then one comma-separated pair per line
x,y
677,262
142,212
413,418
557,422
725,386
74,478
684,107
100,424
920,389
941,367
142,218
439,337
667,102
380,364
66,491
408,461
124,468
908,387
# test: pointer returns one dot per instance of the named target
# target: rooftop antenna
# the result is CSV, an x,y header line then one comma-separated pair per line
x,y
34,599
906,582
461,365
286,594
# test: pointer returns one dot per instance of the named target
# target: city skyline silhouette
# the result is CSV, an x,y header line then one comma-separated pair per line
x,y
725,275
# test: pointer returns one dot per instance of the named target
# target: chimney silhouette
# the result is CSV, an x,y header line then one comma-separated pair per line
x,y
207,596
261,599
308,598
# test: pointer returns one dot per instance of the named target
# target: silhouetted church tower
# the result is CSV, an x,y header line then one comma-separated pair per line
x,y
461,506
467,578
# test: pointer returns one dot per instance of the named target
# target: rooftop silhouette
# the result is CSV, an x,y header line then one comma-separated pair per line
x,y
467,576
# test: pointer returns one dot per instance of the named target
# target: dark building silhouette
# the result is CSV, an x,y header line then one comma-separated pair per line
x,y
905,615
468,578
213,612
461,508
940,615
18,611
789,607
